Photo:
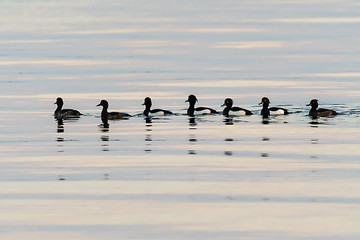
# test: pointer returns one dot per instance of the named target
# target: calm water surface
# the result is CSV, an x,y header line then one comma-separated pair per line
x,y
176,177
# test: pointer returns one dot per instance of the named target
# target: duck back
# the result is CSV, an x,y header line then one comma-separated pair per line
x,y
278,111
204,110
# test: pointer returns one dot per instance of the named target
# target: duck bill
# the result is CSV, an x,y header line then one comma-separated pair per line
x,y
223,105
187,101
98,104
308,104
260,103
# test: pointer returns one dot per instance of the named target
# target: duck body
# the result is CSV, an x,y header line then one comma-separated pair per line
x,y
111,115
278,111
156,112
200,111
153,112
117,115
236,111
192,111
63,113
319,112
266,111
229,110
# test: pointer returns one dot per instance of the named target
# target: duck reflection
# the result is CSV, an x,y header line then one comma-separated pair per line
x,y
273,119
228,153
192,137
228,141
228,121
59,139
104,128
191,152
192,123
148,121
265,140
104,138
60,125
106,176
148,135
60,144
314,141
316,121
61,178
60,122
265,120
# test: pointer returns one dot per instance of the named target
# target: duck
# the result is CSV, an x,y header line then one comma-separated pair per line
x,y
230,110
59,112
111,115
199,110
321,112
154,112
266,111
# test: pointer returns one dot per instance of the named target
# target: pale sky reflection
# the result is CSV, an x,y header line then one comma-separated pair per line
x,y
63,62
29,41
327,88
249,45
335,75
257,83
158,30
108,95
318,20
154,43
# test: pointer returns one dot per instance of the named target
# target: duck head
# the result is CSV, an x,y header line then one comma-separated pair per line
x,y
191,99
228,103
103,103
147,102
264,101
313,103
59,101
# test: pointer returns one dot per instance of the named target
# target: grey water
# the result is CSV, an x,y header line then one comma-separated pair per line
x,y
175,177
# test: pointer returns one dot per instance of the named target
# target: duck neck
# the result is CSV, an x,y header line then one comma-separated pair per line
x,y
105,121
191,109
226,110
59,107
147,109
104,112
265,110
265,106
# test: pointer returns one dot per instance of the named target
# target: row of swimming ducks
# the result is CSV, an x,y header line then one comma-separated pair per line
x,y
229,109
